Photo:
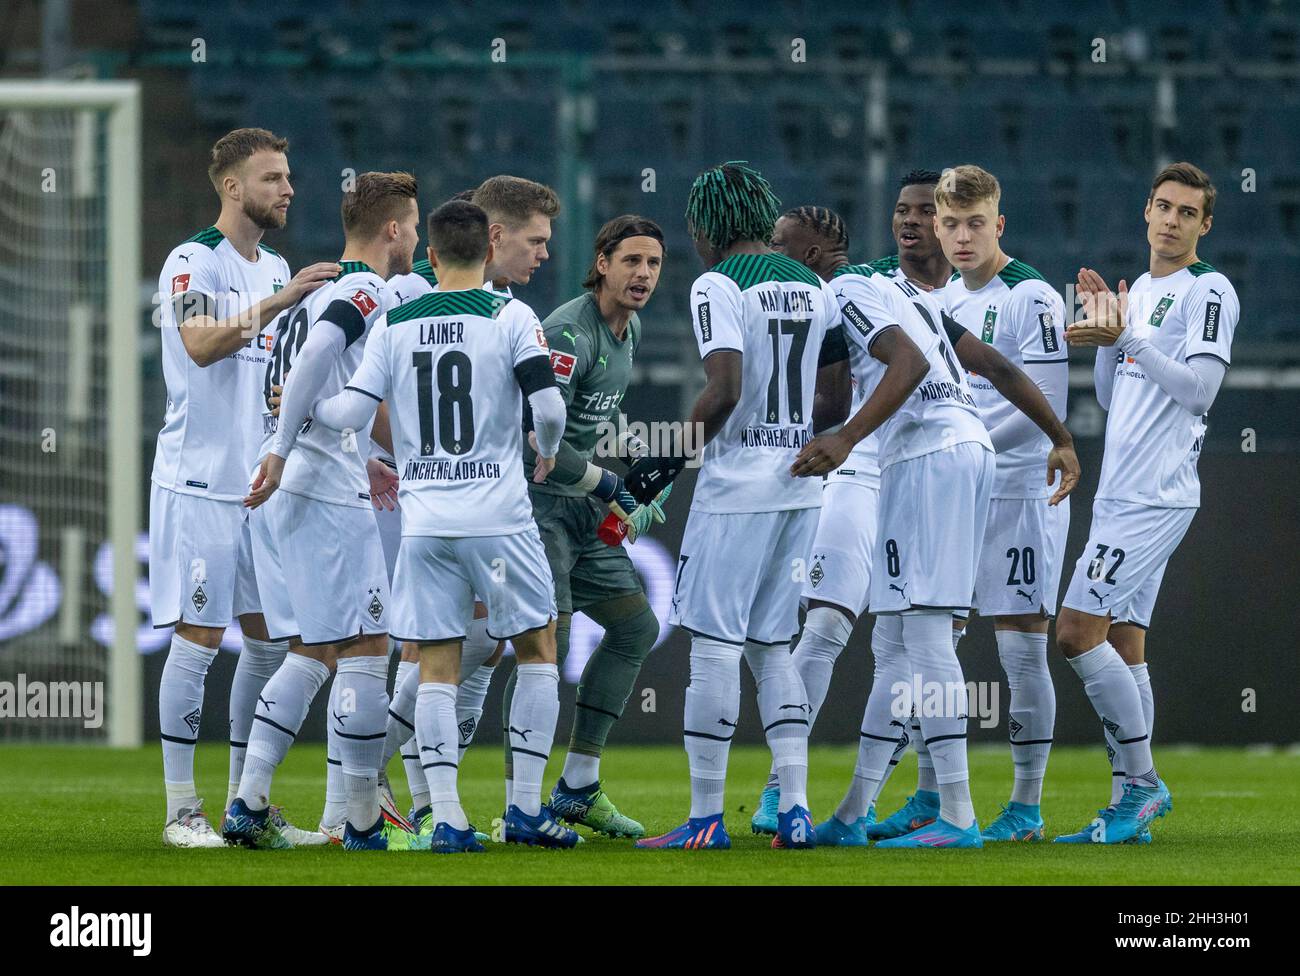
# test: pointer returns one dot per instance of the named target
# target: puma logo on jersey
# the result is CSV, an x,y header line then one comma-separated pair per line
x,y
1213,291
901,589
1028,596
1100,599
186,259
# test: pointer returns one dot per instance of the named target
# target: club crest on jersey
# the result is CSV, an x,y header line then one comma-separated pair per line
x,y
1210,332
857,318
706,322
364,303
1158,313
562,364
180,284
1048,328
990,319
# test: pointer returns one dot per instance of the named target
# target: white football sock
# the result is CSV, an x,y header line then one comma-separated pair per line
x,y
826,631
258,661
281,707
883,734
925,780
361,682
336,795
533,714
1031,712
933,657
1114,694
712,710
180,707
435,723
1118,775
783,708
580,770
400,724
469,701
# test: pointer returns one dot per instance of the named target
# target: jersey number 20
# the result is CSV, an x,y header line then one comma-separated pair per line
x,y
455,409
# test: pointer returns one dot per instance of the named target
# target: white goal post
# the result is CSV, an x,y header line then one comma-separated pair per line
x,y
98,147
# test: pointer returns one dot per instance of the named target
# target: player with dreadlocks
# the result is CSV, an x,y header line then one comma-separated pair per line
x,y
760,322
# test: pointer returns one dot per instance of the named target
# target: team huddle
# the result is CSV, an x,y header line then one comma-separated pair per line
x,y
381,452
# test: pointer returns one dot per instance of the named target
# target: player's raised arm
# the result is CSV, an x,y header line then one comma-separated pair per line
x,y
1025,396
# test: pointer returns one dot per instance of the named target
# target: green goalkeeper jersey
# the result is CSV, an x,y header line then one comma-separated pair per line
x,y
593,368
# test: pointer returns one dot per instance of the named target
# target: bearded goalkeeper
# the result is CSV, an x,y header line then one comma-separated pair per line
x,y
593,340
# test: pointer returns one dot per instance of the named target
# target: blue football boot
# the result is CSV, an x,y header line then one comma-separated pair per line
x,y
542,830
697,834
764,819
446,839
921,808
1017,821
940,833
836,833
795,830
252,828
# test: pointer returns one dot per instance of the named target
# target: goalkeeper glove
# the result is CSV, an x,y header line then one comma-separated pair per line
x,y
648,476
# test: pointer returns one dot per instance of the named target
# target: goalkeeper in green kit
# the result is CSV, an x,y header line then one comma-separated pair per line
x,y
592,341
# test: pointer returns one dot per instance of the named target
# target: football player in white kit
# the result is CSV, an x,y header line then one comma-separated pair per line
x,y
936,478
519,213
1007,304
221,289
760,319
329,608
455,366
839,566
1163,348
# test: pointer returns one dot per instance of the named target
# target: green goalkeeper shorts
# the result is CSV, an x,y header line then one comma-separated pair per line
x,y
586,570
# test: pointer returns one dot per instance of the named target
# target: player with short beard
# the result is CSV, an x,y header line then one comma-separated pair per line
x,y
222,288
327,608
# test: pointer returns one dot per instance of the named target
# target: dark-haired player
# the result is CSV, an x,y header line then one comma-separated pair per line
x,y
919,258
519,212
593,340
221,290
1163,349
455,367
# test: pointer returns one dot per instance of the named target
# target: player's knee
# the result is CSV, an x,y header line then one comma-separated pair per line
x,y
1074,636
634,637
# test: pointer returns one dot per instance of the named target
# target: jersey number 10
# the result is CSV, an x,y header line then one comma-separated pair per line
x,y
455,409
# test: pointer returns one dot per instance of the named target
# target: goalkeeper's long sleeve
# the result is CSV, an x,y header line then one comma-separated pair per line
x,y
311,366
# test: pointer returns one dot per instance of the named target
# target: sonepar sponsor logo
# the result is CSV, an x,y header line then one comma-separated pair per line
x,y
75,929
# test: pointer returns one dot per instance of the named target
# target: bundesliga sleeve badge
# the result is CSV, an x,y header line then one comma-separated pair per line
x,y
364,303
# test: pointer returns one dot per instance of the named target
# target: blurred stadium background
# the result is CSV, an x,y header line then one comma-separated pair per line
x,y
618,105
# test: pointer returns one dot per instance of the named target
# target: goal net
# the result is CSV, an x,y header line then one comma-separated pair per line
x,y
70,496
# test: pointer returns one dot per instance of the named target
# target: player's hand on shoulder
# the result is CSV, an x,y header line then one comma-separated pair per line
x,y
821,455
276,397
310,278
1063,459
267,481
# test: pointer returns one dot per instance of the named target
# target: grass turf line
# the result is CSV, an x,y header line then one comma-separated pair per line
x,y
75,815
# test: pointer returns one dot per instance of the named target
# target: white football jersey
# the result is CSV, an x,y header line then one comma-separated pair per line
x,y
324,464
1021,316
775,312
446,365
941,411
216,415
1152,443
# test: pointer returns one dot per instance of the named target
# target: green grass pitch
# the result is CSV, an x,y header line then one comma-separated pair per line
x,y
72,815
